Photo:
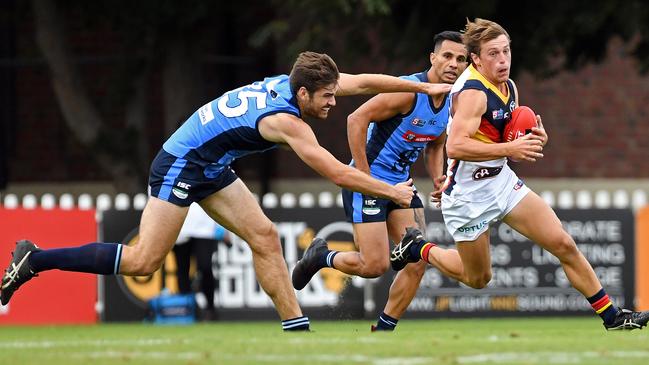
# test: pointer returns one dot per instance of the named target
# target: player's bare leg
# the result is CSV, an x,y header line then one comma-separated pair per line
x,y
476,260
371,260
533,218
236,209
448,262
406,282
159,228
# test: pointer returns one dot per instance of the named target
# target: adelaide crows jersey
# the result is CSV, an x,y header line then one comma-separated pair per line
x,y
226,128
477,180
393,145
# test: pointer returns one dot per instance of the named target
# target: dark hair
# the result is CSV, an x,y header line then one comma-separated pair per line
x,y
313,71
481,30
447,35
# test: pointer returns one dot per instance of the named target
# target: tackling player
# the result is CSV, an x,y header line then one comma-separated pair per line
x,y
401,126
194,166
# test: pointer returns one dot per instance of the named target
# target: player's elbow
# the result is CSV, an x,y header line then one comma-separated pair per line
x,y
354,120
452,150
339,178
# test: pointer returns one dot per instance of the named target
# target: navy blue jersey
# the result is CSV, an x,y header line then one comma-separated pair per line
x,y
227,128
394,145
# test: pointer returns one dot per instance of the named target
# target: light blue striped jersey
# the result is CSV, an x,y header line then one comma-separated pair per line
x,y
227,128
394,145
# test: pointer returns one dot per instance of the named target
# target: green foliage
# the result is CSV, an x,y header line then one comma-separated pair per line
x,y
547,36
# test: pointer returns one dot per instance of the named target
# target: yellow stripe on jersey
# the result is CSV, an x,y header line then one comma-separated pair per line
x,y
482,137
478,76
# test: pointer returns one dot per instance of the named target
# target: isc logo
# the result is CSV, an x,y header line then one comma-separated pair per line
x,y
183,185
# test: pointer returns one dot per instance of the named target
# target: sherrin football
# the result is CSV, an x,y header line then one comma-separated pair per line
x,y
522,121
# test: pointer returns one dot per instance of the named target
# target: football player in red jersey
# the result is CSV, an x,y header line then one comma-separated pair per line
x,y
481,99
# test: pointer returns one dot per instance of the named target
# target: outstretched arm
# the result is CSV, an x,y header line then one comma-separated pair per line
x,y
285,128
349,84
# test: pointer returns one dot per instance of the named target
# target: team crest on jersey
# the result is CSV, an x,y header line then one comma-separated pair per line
x,y
512,106
418,122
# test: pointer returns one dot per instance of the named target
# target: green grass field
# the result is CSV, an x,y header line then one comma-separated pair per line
x,y
466,341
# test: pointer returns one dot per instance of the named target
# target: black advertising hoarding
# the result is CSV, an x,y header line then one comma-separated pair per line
x,y
526,279
119,302
238,295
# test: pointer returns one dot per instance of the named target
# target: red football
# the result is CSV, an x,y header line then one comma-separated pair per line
x,y
522,121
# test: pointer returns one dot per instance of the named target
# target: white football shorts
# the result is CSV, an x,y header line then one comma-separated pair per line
x,y
466,220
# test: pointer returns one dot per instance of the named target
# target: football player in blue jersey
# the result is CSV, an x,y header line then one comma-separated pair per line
x,y
401,126
194,166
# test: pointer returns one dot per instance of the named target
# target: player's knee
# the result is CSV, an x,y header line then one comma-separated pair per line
x,y
375,269
265,239
416,270
479,281
146,267
564,247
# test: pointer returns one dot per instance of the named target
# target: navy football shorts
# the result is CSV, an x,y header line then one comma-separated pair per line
x,y
361,208
182,182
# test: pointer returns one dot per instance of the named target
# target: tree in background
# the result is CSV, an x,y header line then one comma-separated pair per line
x,y
169,39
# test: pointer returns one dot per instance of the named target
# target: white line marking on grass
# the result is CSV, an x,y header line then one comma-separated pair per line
x,y
259,358
343,359
162,355
305,340
72,343
547,357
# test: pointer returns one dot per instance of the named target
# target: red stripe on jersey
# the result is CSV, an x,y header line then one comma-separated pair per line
x,y
488,130
411,136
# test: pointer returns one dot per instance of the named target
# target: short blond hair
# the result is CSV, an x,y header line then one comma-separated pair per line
x,y
478,31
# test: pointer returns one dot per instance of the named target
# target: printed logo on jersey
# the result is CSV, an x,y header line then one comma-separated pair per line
x,y
499,114
205,113
411,136
418,122
512,106
486,172
370,208
422,123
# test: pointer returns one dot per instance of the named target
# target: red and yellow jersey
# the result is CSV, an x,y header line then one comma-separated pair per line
x,y
477,180
499,106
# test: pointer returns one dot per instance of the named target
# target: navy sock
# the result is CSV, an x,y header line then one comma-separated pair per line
x,y
296,324
95,258
385,323
328,259
415,249
603,306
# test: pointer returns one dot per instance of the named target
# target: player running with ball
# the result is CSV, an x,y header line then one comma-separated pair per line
x,y
481,187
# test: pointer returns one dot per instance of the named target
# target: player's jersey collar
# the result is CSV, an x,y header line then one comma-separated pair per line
x,y
478,76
